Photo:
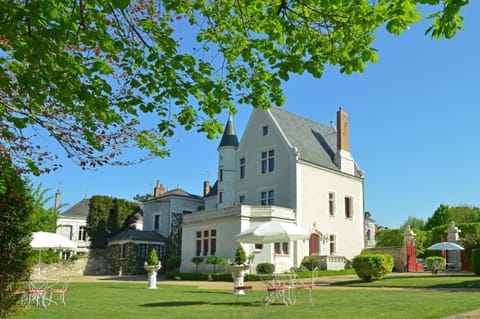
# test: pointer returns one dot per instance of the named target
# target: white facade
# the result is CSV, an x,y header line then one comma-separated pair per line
x,y
285,168
158,212
76,231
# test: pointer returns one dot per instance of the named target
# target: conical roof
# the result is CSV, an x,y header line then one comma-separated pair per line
x,y
229,137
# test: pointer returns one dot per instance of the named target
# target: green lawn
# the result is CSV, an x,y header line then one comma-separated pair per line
x,y
120,300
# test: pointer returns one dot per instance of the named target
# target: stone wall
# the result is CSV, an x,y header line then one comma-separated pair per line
x,y
399,256
94,264
63,268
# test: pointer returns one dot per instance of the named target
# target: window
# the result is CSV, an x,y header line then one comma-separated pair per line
x,y
142,251
199,244
267,198
123,251
241,199
242,167
332,245
220,175
258,246
314,244
331,204
281,248
213,242
268,161
206,243
157,222
82,233
348,207
220,197
265,130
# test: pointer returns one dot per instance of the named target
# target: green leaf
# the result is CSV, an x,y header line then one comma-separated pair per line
x,y
120,4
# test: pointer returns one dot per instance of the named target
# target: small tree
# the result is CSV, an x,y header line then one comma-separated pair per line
x,y
197,261
372,266
152,259
215,260
240,256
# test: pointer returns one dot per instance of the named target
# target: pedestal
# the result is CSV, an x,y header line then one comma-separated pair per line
x,y
238,275
152,275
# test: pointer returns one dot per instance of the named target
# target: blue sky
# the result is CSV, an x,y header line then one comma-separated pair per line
x,y
413,127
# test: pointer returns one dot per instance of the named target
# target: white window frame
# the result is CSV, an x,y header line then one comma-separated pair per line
x,y
332,204
267,161
269,199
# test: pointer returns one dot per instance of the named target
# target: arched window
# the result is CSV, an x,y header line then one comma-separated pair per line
x,y
314,244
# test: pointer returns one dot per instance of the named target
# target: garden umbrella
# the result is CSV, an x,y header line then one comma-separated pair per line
x,y
272,232
45,241
445,246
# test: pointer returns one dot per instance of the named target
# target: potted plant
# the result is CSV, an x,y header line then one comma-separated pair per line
x,y
152,265
238,270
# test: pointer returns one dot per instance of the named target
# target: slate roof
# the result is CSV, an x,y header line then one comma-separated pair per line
x,y
176,192
138,235
77,211
307,135
229,137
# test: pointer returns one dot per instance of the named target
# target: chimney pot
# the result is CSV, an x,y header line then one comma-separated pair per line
x,y
206,188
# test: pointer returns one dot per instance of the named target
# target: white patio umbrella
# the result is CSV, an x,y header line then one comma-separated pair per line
x,y
272,232
445,246
44,241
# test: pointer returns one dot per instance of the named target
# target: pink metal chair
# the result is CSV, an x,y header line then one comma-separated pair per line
x,y
60,291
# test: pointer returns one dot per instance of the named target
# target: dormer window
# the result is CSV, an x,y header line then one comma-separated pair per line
x,y
265,130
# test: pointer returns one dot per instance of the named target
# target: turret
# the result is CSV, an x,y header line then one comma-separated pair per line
x,y
226,166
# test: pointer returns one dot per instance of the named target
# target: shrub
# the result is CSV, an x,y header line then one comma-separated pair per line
x,y
240,256
475,260
436,263
299,269
265,268
152,259
311,262
174,262
372,266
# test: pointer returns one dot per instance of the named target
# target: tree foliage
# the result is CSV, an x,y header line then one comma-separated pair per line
x,y
439,217
444,214
87,72
107,217
174,240
389,237
43,219
16,206
413,222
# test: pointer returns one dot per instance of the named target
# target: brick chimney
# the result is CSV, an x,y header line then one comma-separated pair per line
x,y
206,188
343,131
158,189
343,158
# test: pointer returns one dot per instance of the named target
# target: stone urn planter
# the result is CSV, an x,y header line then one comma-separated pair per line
x,y
238,274
152,275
